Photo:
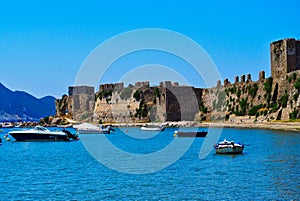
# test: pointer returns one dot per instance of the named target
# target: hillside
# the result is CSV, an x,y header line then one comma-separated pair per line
x,y
20,105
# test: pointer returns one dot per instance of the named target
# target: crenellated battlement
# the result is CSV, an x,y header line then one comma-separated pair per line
x,y
242,79
111,87
277,97
76,90
145,84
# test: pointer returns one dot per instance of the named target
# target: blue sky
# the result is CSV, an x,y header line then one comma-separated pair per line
x,y
44,43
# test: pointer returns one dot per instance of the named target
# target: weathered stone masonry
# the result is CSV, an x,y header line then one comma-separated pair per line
x,y
175,102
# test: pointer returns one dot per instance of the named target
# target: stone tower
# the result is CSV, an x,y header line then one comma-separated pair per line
x,y
285,57
83,102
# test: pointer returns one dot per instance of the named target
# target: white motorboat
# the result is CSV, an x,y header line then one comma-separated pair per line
x,y
40,133
152,128
7,125
229,147
87,128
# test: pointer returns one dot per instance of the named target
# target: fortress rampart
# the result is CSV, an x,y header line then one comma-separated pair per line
x,y
278,95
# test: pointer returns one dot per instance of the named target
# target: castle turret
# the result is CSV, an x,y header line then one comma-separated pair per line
x,y
236,80
285,57
262,75
243,77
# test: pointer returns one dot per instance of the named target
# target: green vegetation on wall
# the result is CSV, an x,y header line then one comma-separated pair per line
x,y
268,89
142,110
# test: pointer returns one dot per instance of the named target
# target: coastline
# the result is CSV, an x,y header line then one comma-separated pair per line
x,y
272,125
287,126
275,125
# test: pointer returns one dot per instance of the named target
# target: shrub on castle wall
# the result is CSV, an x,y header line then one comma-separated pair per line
x,y
156,92
294,114
202,108
268,89
253,90
284,100
295,96
137,95
297,84
142,110
294,76
103,94
254,109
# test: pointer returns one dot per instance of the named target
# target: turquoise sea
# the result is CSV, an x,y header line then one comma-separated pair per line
x,y
269,169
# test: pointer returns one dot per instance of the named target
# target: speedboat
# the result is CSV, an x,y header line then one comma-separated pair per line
x,y
190,134
229,147
87,128
152,128
40,133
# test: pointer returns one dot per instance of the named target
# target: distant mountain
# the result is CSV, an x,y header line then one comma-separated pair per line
x,y
20,105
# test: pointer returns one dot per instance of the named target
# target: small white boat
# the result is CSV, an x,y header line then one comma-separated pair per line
x,y
7,125
229,147
87,128
152,128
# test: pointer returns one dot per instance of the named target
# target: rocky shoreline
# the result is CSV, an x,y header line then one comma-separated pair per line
x,y
289,126
274,125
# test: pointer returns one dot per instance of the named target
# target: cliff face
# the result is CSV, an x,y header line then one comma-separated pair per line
x,y
63,106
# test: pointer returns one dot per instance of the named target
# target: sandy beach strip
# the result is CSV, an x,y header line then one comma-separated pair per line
x,y
289,126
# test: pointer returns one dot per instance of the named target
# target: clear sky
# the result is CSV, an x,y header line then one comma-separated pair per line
x,y
44,43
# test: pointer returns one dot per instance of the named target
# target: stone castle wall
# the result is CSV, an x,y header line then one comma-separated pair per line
x,y
83,102
166,102
171,102
285,57
182,102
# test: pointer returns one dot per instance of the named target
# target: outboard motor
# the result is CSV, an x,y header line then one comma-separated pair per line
x,y
110,128
70,135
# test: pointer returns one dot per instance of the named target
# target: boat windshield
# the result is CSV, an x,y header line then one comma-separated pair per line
x,y
40,128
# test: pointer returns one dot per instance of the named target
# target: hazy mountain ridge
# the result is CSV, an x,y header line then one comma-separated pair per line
x,y
20,105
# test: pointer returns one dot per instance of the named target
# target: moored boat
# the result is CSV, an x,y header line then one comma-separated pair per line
x,y
190,134
7,125
229,147
87,128
40,133
152,128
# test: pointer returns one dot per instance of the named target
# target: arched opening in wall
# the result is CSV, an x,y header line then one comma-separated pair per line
x,y
275,94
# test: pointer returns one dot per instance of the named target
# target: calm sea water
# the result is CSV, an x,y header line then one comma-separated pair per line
x,y
269,169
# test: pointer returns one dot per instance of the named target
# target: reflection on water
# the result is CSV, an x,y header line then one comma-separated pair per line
x,y
268,170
